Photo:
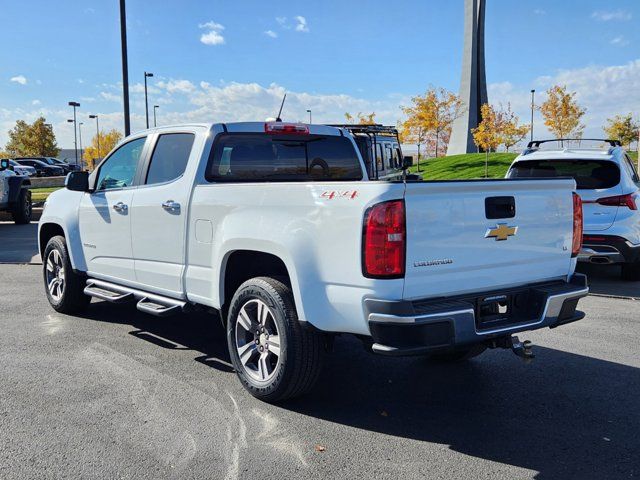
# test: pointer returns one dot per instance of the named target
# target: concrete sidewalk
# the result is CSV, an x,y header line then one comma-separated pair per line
x,y
19,243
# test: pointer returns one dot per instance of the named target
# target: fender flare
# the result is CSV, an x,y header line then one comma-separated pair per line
x,y
16,184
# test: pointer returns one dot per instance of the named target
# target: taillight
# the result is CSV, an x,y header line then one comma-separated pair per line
x,y
577,225
628,201
275,128
383,247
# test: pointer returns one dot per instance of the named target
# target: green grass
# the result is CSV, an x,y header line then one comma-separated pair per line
x,y
41,194
471,165
634,156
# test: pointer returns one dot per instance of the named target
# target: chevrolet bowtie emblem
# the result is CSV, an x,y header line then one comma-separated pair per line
x,y
501,232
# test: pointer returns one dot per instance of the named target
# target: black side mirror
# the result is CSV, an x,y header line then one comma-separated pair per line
x,y
407,162
4,163
77,181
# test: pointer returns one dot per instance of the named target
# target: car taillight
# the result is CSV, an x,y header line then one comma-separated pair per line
x,y
628,201
384,242
577,225
276,128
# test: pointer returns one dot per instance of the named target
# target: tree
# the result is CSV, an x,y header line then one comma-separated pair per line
x,y
512,132
434,113
623,128
562,113
488,134
106,141
362,119
36,139
411,133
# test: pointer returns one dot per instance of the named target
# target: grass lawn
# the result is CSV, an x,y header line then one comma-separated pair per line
x,y
466,166
634,156
41,194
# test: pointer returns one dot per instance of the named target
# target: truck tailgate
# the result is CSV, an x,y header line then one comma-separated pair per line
x,y
454,248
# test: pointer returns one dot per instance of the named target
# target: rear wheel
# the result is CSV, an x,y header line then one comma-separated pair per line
x,y
64,287
631,271
275,358
458,355
21,212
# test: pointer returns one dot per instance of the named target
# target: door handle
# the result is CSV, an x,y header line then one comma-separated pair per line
x,y
120,207
171,206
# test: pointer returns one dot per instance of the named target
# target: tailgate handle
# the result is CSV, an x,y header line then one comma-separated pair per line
x,y
500,207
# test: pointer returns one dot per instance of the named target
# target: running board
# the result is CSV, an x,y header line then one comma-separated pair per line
x,y
151,303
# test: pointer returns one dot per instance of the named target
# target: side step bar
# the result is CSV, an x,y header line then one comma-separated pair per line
x,y
151,303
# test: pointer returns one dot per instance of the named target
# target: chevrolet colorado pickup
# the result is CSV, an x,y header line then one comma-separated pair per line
x,y
278,227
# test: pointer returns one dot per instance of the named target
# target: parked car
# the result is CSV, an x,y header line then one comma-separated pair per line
x,y
68,167
277,227
608,183
24,170
15,196
43,169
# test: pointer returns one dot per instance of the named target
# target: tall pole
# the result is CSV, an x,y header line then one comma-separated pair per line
x,y
146,102
533,106
80,137
155,124
97,132
75,134
125,68
309,112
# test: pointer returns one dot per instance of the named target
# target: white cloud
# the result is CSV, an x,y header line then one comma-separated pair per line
x,y
110,97
282,21
271,33
36,102
301,24
21,79
607,16
177,86
619,41
540,11
214,34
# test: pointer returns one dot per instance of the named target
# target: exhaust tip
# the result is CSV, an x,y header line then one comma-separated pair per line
x,y
599,260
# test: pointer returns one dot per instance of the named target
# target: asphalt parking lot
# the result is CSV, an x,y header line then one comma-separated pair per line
x,y
118,394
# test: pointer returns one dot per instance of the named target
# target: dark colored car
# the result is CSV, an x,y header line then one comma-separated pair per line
x,y
68,167
43,169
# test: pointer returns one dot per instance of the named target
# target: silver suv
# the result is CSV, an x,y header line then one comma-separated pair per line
x,y
608,183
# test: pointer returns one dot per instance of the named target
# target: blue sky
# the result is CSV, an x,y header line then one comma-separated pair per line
x,y
224,61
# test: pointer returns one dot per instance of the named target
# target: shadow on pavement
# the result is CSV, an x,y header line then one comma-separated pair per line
x,y
605,280
564,415
19,243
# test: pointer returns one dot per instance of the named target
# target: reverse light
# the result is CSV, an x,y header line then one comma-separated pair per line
x,y
628,201
384,240
577,225
276,128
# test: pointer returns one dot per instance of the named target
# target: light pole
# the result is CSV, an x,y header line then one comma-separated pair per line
x,y
97,133
75,133
146,103
80,137
533,106
154,115
125,67
309,112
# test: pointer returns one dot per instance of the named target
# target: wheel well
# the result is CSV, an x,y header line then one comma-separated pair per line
x,y
48,231
245,264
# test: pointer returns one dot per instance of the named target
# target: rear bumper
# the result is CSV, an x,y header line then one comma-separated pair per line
x,y
409,328
608,249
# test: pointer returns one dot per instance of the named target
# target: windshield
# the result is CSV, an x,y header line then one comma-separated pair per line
x,y
588,174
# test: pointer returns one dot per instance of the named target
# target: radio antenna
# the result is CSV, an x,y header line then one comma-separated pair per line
x,y
278,119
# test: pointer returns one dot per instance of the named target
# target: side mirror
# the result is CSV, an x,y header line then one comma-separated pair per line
x,y
77,181
407,162
4,164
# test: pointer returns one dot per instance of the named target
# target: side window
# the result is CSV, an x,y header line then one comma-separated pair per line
x,y
170,157
632,169
379,157
388,156
119,169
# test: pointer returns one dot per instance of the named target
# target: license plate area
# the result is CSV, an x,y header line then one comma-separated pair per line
x,y
508,309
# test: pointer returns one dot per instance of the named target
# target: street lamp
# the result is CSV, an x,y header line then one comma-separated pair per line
x,y
309,112
533,106
154,115
125,67
146,103
80,136
97,133
75,134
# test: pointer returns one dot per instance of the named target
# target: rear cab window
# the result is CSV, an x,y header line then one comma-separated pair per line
x,y
588,174
254,157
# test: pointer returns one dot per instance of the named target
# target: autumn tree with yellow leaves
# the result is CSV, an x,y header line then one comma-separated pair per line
x,y
562,114
360,118
101,144
623,128
512,131
488,134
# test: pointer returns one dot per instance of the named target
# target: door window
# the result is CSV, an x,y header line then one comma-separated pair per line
x,y
632,169
119,170
170,157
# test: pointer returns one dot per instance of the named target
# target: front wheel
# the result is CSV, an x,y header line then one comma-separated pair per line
x,y
64,287
631,271
22,210
275,358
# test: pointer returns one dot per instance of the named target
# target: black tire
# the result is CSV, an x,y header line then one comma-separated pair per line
x,y
456,356
631,271
71,298
22,210
301,350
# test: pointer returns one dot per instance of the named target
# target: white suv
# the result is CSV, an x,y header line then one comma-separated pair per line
x,y
608,183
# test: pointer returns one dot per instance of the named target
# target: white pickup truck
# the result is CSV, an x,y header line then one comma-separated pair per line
x,y
278,227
